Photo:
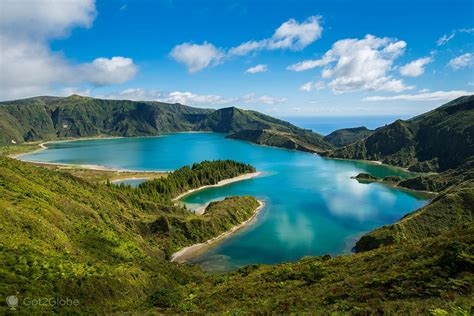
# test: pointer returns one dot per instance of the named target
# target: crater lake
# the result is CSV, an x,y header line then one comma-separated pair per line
x,y
312,206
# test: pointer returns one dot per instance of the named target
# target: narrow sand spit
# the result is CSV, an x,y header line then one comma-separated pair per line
x,y
221,183
188,252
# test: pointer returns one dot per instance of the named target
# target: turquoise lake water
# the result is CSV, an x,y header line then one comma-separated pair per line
x,y
312,206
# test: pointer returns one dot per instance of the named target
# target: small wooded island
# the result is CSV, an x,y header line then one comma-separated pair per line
x,y
110,246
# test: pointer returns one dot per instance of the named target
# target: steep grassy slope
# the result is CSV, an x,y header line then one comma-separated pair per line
x,y
441,181
103,245
49,118
438,140
345,136
452,208
434,277
45,118
228,120
300,140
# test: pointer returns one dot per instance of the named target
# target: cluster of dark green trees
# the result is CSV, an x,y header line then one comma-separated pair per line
x,y
199,174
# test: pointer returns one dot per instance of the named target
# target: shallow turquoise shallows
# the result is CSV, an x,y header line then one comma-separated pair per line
x,y
313,207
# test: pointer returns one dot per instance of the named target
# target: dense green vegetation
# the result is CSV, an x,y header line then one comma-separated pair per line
x,y
365,177
62,236
200,174
65,237
441,181
450,209
302,140
433,277
438,140
345,136
12,150
50,118
65,233
432,182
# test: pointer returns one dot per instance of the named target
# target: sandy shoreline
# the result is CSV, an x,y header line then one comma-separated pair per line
x,y
372,162
220,183
81,166
43,144
91,167
188,252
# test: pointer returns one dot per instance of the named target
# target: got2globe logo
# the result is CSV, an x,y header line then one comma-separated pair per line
x,y
12,301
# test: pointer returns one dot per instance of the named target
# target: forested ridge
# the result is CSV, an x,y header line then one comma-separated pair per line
x,y
52,118
198,175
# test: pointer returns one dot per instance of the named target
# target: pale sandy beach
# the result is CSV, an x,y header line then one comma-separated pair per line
x,y
43,144
91,167
221,183
191,251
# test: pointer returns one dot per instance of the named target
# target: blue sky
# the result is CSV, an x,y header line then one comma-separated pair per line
x,y
299,58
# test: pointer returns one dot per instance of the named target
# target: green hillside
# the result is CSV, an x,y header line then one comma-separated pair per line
x,y
345,136
107,247
101,244
110,246
450,209
299,140
50,118
438,140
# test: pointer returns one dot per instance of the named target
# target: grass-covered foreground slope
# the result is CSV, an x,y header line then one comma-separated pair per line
x,y
108,247
451,208
50,118
104,245
433,277
438,140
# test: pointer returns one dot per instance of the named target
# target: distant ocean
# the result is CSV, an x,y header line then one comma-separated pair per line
x,y
327,124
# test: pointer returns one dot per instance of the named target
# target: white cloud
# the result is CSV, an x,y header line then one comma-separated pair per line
x,y
256,69
416,67
190,98
252,98
290,35
134,94
423,90
294,35
311,85
105,71
446,38
462,61
27,65
429,96
311,63
197,56
359,64
40,19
